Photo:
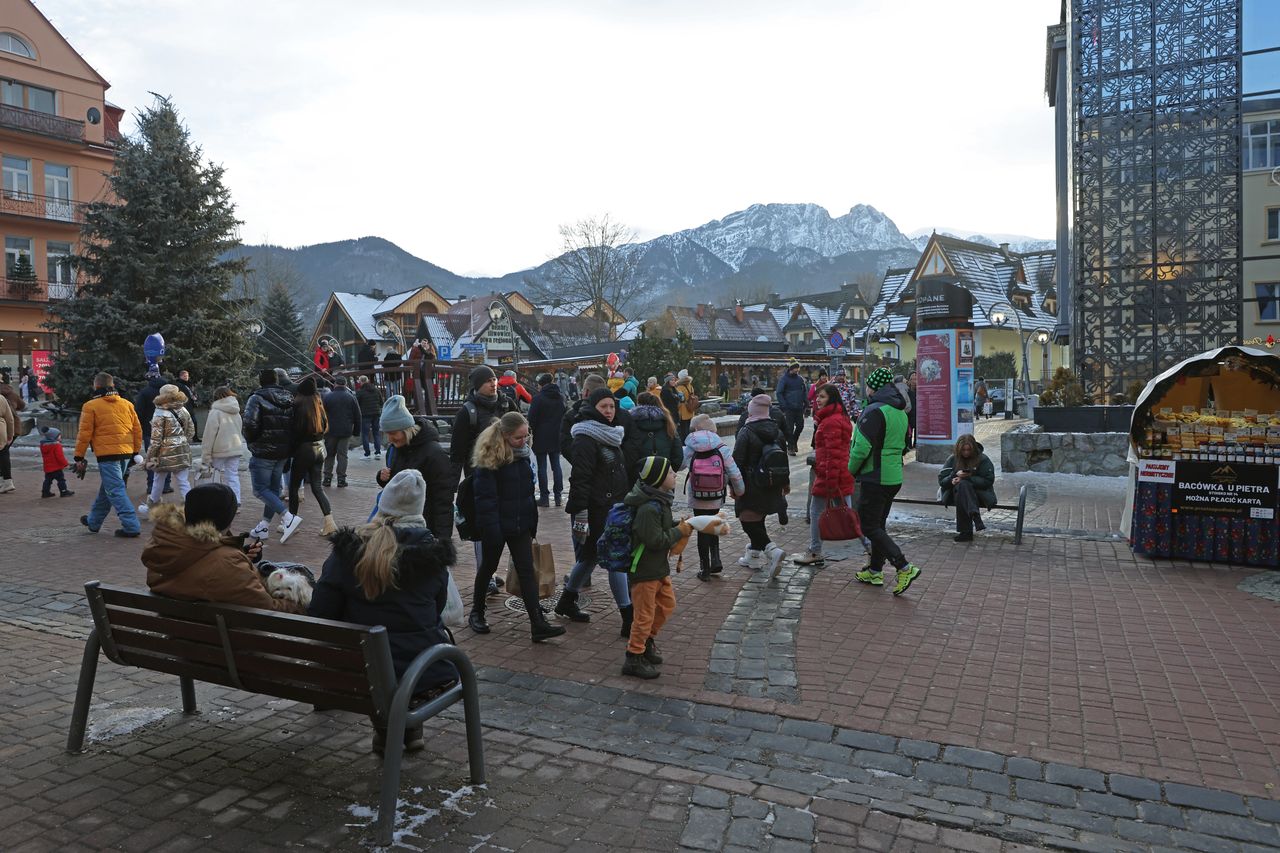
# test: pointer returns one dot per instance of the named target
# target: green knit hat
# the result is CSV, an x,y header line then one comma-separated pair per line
x,y
879,378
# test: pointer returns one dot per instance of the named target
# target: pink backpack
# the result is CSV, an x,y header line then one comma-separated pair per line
x,y
706,475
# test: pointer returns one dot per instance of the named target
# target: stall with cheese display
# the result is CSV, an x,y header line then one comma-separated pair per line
x,y
1205,460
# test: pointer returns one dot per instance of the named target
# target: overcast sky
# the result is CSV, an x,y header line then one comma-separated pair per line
x,y
466,132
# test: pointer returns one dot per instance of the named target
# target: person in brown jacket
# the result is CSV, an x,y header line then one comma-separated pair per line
x,y
191,555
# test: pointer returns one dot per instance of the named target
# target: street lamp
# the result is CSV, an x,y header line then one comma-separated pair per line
x,y
879,329
496,312
1042,338
999,319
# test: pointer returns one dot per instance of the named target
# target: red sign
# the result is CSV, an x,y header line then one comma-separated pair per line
x,y
41,361
933,390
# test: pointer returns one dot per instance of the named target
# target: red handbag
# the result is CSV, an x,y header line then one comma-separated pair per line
x,y
839,522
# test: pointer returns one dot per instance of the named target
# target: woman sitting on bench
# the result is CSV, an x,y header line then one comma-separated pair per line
x,y
968,480
393,572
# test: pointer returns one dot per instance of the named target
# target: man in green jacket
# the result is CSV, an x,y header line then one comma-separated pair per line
x,y
875,460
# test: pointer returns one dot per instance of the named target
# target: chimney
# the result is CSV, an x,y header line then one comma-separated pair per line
x,y
737,311
376,293
698,310
775,300
1004,250
537,315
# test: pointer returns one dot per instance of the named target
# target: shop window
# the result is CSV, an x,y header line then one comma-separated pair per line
x,y
1268,300
17,177
11,43
1262,144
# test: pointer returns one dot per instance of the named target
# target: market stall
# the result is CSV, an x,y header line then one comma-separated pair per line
x,y
1205,460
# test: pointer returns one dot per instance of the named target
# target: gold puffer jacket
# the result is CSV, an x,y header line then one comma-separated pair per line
x,y
171,432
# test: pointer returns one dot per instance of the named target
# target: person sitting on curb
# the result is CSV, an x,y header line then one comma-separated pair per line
x,y
968,480
192,556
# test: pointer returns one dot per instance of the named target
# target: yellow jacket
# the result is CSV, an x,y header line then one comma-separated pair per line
x,y
110,426
689,406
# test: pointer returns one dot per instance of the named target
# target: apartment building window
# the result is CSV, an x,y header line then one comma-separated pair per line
x,y
1262,144
61,273
14,247
32,98
1273,223
57,191
17,177
10,43
1268,300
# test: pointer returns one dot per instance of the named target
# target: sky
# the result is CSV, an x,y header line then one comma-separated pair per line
x,y
468,131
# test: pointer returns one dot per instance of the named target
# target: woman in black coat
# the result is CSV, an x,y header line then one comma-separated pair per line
x,y
507,516
654,435
759,501
546,414
597,481
417,444
393,572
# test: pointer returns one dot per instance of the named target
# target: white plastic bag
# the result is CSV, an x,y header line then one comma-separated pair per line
x,y
454,614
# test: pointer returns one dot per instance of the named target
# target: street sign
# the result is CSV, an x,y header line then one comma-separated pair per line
x,y
473,350
836,340
444,352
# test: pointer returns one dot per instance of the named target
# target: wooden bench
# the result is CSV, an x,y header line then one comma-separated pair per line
x,y
1020,507
330,664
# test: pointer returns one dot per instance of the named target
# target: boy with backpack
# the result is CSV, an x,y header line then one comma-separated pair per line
x,y
653,534
711,472
761,452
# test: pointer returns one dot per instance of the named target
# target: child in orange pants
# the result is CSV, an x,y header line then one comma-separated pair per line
x,y
653,534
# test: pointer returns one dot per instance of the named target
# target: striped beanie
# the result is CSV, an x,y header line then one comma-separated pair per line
x,y
653,470
879,378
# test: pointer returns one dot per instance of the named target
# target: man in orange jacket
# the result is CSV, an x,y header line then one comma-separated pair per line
x,y
109,424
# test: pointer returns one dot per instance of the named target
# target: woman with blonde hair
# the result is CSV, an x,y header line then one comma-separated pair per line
x,y
170,452
507,516
306,459
223,444
393,572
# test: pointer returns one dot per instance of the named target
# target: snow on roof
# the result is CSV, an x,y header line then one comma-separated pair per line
x,y
362,310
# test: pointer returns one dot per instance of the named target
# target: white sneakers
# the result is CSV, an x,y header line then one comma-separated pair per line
x,y
774,555
752,559
7,486
291,525
261,532
144,509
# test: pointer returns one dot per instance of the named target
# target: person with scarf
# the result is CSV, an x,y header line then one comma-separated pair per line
x,y
759,501
875,460
109,425
832,480
507,517
968,480
597,481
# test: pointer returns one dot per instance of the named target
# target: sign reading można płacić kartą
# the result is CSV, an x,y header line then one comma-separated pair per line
x,y
1226,488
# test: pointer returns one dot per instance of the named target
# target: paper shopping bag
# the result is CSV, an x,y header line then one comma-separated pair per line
x,y
544,570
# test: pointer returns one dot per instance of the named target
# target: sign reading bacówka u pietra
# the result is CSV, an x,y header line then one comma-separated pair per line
x,y
1226,488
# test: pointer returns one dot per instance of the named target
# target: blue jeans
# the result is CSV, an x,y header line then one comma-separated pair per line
x,y
586,561
265,475
369,432
112,495
554,455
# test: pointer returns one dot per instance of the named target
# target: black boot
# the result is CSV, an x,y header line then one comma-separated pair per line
x,y
327,482
544,501
716,566
567,606
637,666
540,629
627,613
978,523
651,652
476,620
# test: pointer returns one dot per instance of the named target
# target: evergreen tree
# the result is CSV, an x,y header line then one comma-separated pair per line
x,y
657,356
151,262
283,340
22,278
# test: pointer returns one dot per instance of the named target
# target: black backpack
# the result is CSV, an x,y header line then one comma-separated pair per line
x,y
464,510
773,468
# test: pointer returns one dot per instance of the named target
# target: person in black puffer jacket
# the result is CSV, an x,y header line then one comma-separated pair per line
x,y
417,444
546,414
758,502
393,572
576,414
654,435
508,517
482,407
369,397
310,424
268,427
597,481
145,404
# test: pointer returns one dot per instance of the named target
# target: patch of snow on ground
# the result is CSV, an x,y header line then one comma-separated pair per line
x,y
114,722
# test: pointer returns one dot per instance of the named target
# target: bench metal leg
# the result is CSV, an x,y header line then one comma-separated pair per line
x,y
1022,512
392,755
84,692
188,694
471,715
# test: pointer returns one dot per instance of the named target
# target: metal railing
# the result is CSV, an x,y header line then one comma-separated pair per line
x,y
36,290
429,386
44,124
17,203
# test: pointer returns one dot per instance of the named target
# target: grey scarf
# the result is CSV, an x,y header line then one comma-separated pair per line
x,y
610,435
521,452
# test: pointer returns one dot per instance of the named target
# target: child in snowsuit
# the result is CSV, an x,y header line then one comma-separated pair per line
x,y
704,444
653,534
55,462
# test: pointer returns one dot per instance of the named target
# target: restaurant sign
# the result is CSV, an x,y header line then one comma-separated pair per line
x,y
1243,490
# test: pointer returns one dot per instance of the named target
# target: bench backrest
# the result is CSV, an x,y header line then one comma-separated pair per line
x,y
326,663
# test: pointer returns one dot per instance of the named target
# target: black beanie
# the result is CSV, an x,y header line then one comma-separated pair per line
x,y
598,395
267,377
307,387
212,502
481,375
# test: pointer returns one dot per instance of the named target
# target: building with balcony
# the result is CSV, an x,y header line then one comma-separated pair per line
x,y
1168,194
57,144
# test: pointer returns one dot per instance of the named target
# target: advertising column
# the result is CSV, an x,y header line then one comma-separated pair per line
x,y
944,366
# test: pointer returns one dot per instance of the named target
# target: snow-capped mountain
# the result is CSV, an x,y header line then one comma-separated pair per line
x,y
1017,242
777,227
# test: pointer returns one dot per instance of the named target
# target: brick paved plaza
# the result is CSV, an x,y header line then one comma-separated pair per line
x,y
1060,694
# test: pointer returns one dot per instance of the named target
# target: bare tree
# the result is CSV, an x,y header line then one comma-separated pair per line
x,y
596,265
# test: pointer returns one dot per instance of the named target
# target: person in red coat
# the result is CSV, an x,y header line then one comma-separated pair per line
x,y
55,462
833,433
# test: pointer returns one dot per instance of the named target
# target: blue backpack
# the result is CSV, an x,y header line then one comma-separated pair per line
x,y
613,548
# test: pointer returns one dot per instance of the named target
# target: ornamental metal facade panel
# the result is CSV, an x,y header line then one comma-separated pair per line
x,y
1156,162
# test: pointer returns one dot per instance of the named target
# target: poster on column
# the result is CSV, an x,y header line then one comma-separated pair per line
x,y
41,361
933,389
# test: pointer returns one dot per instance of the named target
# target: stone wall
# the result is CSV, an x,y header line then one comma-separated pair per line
x,y
1028,448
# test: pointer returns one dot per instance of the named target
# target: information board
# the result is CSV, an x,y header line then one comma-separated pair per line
x,y
1238,489
933,387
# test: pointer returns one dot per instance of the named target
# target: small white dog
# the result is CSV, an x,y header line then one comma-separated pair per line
x,y
283,583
